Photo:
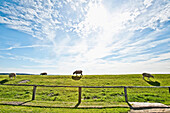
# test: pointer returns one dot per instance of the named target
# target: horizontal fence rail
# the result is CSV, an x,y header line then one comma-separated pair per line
x,y
80,89
89,86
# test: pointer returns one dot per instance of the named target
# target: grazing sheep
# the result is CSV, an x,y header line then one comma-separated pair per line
x,y
78,72
77,77
12,75
147,75
44,73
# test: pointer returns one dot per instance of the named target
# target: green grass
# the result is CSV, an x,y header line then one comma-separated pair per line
x,y
23,109
90,96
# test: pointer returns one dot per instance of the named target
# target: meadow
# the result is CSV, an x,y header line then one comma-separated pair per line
x,y
63,99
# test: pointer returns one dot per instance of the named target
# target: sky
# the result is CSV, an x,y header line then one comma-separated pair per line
x,y
96,36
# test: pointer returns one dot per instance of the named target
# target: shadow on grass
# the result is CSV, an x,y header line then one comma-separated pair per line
x,y
38,106
143,108
63,106
130,106
70,107
4,81
76,77
153,83
76,106
25,102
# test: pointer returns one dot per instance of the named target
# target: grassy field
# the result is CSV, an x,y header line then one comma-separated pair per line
x,y
64,99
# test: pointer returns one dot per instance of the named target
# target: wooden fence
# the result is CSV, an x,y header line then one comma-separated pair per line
x,y
80,89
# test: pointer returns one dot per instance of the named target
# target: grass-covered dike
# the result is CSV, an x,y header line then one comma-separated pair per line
x,y
64,99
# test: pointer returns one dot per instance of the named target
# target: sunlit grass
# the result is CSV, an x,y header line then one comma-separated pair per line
x,y
23,109
89,95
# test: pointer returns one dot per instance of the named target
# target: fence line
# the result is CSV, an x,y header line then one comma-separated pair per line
x,y
80,89
89,86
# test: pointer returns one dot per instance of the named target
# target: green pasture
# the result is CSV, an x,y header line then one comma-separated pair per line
x,y
109,99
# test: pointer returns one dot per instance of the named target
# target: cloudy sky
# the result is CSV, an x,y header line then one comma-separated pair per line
x,y
97,36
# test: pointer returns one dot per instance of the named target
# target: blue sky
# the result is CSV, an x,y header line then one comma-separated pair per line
x,y
97,36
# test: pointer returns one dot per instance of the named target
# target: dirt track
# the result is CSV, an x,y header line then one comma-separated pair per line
x,y
144,107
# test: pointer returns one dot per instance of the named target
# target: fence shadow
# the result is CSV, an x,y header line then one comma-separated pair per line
x,y
70,107
130,106
143,108
4,81
16,103
25,102
153,83
76,106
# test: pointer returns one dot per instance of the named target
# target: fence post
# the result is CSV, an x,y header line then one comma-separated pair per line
x,y
33,93
125,90
169,89
79,99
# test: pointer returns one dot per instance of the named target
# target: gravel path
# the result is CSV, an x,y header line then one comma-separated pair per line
x,y
145,107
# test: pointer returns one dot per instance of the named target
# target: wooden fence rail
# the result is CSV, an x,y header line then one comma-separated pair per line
x,y
80,88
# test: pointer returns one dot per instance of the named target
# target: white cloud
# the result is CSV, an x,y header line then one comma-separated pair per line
x,y
147,3
81,33
19,47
